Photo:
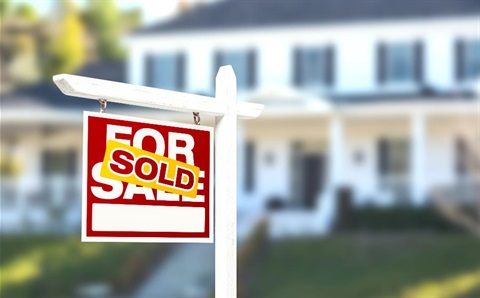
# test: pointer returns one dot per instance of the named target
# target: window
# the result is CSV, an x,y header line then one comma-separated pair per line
x,y
243,63
400,62
393,157
250,166
165,71
59,162
468,59
313,66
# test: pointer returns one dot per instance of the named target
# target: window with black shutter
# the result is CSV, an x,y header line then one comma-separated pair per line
x,y
467,59
244,63
59,162
166,71
393,157
400,62
313,66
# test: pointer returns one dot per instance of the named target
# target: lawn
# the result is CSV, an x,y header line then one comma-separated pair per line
x,y
407,265
47,266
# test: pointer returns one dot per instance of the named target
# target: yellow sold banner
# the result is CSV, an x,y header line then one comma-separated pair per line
x,y
133,165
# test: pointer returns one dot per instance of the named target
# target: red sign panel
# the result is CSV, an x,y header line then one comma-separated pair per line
x,y
146,180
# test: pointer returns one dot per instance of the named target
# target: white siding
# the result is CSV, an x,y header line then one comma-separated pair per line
x,y
356,64
439,57
274,64
273,177
355,51
199,69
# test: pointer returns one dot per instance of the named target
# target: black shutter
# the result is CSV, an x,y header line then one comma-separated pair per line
x,y
217,62
71,162
181,71
250,166
149,70
459,58
382,157
252,68
46,161
297,67
418,62
461,156
329,66
381,63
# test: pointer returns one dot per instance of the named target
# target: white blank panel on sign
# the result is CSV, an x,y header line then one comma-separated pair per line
x,y
116,217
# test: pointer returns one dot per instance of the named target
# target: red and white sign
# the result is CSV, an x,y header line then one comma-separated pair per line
x,y
146,180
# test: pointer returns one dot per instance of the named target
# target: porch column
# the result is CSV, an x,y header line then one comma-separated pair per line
x,y
417,158
336,153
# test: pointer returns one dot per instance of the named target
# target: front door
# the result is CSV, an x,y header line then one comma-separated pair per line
x,y
312,178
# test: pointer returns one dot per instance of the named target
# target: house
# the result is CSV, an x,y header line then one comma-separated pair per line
x,y
370,99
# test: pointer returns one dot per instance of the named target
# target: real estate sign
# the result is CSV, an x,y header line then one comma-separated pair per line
x,y
146,180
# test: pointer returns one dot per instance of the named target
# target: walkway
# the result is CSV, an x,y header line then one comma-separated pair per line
x,y
188,272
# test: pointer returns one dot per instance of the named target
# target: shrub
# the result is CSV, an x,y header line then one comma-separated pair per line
x,y
398,218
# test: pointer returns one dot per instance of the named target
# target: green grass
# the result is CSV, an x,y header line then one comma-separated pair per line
x,y
47,266
371,266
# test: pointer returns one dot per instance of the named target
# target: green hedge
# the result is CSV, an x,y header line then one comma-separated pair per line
x,y
399,218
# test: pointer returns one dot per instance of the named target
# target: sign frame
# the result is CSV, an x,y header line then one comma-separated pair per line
x,y
226,109
86,238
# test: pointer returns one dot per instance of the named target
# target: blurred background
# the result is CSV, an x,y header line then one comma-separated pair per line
x,y
360,179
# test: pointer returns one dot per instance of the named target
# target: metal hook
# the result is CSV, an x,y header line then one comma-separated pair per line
x,y
103,105
196,118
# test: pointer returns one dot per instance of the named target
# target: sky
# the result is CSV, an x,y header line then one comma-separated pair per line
x,y
152,11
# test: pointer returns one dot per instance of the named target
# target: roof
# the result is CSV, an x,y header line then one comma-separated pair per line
x,y
46,95
230,14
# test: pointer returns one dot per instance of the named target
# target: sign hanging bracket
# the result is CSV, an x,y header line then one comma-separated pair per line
x,y
103,105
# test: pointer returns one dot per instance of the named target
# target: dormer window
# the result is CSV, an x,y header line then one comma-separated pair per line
x,y
243,63
165,71
468,59
399,62
313,66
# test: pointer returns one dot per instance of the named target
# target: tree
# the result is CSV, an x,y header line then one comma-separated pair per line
x,y
103,20
66,52
5,6
26,12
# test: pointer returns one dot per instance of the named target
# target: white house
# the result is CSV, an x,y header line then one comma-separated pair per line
x,y
375,98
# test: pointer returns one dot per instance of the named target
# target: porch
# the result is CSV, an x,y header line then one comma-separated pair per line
x,y
383,154
41,178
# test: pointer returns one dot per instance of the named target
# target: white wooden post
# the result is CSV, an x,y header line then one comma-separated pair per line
x,y
336,152
226,110
417,157
226,186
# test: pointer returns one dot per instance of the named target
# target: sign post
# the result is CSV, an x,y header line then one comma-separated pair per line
x,y
226,109
226,186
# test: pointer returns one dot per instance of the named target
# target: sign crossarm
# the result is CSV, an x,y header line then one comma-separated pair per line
x,y
91,88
